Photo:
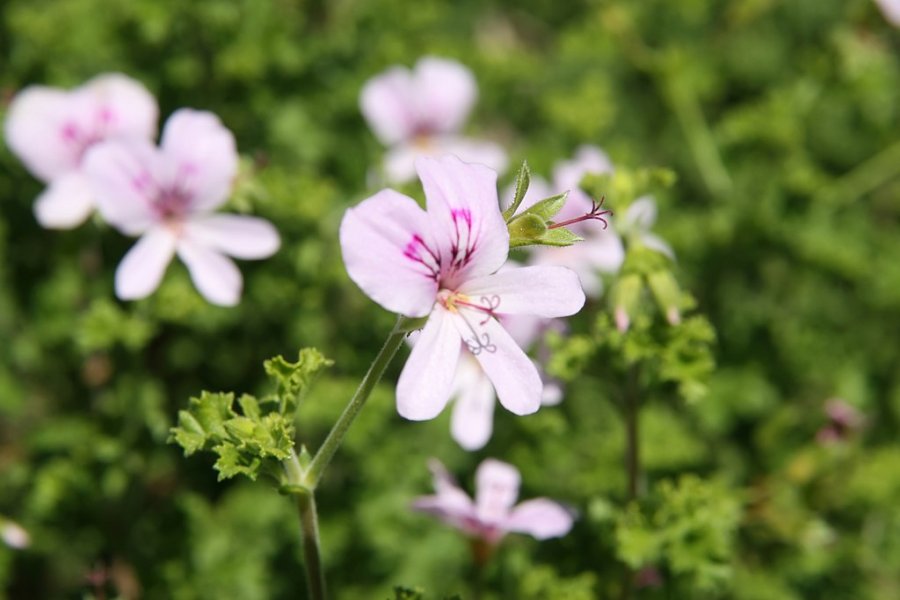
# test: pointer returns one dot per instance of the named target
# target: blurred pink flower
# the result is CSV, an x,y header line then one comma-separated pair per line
x,y
13,534
891,10
492,514
51,130
843,420
636,222
443,264
167,195
420,112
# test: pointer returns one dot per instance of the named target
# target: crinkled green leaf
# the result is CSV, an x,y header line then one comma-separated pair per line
x,y
292,379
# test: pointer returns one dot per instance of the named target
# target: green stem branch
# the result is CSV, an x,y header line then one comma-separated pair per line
x,y
312,560
339,430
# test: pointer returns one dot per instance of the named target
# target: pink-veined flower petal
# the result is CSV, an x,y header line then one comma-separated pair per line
x,y
465,215
235,235
513,375
497,488
544,291
143,267
66,203
123,107
389,253
124,176
445,93
216,276
427,378
202,158
35,130
540,518
472,420
387,102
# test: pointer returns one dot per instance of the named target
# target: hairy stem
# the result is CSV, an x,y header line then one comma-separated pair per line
x,y
312,560
339,430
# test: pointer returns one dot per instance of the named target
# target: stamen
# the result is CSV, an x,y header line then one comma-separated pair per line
x,y
479,342
594,214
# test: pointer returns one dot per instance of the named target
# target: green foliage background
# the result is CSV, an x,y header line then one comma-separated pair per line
x,y
782,122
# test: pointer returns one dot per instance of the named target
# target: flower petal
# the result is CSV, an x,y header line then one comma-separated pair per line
x,y
891,10
122,106
66,203
544,291
35,130
143,267
451,504
445,92
235,235
400,160
640,215
427,378
567,175
124,179
473,151
473,410
541,518
465,215
201,157
387,102
654,242
514,376
215,275
497,487
389,253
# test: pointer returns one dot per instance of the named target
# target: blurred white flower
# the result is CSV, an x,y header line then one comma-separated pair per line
x,y
891,10
636,223
51,130
167,195
420,112
14,535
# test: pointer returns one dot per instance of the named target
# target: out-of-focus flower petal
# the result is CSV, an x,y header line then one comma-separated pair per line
x,y
497,488
451,504
124,176
640,215
544,291
390,254
388,104
891,10
66,203
123,107
474,151
654,242
445,93
14,535
400,160
36,128
567,175
235,235
553,394
473,410
465,216
427,378
540,518
605,251
142,268
514,376
202,158
217,278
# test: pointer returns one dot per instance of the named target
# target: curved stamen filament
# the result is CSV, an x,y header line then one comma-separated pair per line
x,y
595,214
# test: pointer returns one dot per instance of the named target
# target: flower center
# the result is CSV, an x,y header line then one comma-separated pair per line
x,y
462,305
171,204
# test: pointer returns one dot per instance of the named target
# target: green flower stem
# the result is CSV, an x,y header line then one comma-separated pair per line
x,y
872,173
312,560
632,434
339,430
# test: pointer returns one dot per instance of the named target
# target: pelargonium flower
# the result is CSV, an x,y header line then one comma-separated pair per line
x,y
492,514
636,222
51,130
167,195
420,112
844,419
602,250
442,263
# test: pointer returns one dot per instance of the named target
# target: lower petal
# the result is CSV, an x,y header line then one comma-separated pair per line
x,y
497,487
473,410
427,378
143,267
66,203
513,374
215,275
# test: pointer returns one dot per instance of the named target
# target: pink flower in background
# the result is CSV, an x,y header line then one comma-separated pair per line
x,y
636,222
843,420
420,112
443,264
891,10
492,514
167,195
51,130
602,250
13,534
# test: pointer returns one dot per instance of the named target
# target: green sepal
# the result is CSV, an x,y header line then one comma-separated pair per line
x,y
525,230
523,180
546,209
559,237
